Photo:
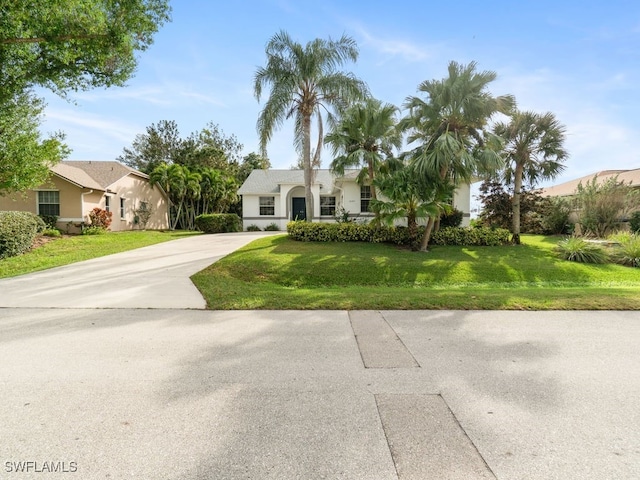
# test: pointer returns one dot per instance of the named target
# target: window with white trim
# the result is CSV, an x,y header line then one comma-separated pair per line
x,y
107,203
327,206
267,205
365,198
49,202
122,209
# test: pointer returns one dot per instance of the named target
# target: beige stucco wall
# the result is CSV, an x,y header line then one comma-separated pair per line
x,y
70,201
133,190
76,203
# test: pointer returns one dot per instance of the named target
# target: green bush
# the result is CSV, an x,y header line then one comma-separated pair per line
x,y
578,250
94,230
51,232
253,228
465,236
634,222
354,232
628,253
218,223
49,220
272,227
451,219
17,232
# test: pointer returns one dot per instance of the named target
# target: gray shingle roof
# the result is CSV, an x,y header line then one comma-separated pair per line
x,y
96,175
269,181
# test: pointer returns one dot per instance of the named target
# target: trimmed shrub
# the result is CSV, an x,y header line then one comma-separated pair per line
x,y
451,219
634,222
464,236
50,232
100,218
272,227
354,232
93,230
253,228
578,250
218,223
17,232
49,220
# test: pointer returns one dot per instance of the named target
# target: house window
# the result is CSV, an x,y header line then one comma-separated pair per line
x,y
107,203
49,203
267,206
365,198
327,206
122,210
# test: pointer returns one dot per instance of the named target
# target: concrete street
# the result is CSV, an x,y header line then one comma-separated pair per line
x,y
128,391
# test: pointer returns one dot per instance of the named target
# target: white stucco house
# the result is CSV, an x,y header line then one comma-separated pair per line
x,y
277,196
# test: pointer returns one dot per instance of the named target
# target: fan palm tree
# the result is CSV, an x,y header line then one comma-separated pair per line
x,y
450,126
409,196
534,151
304,80
365,137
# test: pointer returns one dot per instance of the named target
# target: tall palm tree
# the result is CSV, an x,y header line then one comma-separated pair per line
x,y
534,147
450,126
303,81
365,137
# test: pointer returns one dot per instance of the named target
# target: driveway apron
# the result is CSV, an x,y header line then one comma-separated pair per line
x,y
151,277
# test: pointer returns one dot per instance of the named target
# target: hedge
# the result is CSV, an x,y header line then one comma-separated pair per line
x,y
355,232
218,223
18,231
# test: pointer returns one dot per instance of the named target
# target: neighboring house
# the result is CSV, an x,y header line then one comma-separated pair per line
x,y
75,188
277,196
568,189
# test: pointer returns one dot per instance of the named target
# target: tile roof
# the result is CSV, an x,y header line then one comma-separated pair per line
x,y
91,174
269,181
570,187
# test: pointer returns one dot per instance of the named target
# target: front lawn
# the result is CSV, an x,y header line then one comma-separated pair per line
x,y
70,249
279,273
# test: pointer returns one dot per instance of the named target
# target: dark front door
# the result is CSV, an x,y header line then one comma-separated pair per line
x,y
298,209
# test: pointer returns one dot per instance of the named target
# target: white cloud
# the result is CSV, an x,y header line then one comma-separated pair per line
x,y
395,47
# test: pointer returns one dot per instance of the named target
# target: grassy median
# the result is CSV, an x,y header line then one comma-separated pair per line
x,y
278,273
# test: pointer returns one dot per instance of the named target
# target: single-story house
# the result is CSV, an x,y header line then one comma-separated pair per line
x,y
568,189
277,196
75,188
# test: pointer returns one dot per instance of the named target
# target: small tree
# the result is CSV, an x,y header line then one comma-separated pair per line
x,y
601,206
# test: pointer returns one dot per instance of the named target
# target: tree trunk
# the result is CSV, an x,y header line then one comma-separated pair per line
x,y
306,158
427,234
374,195
517,190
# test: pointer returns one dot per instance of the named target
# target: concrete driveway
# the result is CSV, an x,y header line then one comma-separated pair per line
x,y
151,277
179,394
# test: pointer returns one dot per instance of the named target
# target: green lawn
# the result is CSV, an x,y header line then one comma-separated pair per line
x,y
278,273
65,250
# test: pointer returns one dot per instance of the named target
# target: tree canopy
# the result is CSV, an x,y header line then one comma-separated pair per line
x,y
74,44
25,157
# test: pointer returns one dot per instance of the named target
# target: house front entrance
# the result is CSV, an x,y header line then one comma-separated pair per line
x,y
298,208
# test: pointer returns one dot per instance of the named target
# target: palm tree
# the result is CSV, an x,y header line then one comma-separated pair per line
x,y
534,151
410,197
302,82
365,137
450,127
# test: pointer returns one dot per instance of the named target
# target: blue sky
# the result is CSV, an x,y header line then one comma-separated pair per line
x,y
577,59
